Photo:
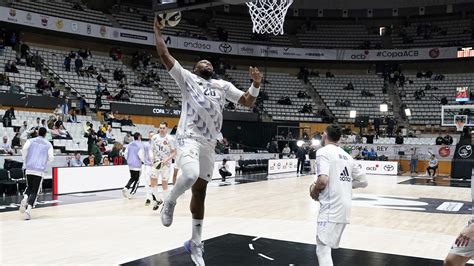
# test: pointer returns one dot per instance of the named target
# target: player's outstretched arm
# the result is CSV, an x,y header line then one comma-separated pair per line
x,y
161,47
250,96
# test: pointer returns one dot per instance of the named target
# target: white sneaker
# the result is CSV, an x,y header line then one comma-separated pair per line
x,y
195,251
27,215
167,213
23,205
125,193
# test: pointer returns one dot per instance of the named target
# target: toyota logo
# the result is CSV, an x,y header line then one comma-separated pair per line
x,y
388,168
225,47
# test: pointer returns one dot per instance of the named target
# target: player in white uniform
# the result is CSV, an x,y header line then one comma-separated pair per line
x,y
337,174
463,249
163,151
199,128
146,157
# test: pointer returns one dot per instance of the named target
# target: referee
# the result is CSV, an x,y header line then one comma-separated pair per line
x,y
37,152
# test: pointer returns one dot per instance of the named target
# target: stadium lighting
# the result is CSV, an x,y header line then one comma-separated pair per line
x,y
352,114
299,143
407,112
384,107
315,142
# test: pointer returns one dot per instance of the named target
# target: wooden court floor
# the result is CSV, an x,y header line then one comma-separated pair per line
x,y
116,231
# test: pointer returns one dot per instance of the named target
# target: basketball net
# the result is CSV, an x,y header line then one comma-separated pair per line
x,y
268,16
459,124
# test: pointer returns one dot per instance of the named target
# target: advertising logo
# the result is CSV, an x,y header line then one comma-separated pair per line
x,y
12,12
465,151
28,16
59,24
361,56
388,168
103,31
444,151
89,29
44,21
434,53
74,26
225,48
197,45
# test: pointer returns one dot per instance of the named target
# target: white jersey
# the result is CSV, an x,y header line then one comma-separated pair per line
x,y
161,147
344,173
202,104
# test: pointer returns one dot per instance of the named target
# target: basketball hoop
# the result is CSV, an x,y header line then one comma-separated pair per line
x,y
268,16
460,121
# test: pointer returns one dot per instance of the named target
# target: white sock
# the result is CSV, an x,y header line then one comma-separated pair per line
x,y
28,209
324,254
165,194
148,192
197,230
155,192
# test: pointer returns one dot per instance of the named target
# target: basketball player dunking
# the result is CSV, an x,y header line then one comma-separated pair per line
x,y
337,174
199,128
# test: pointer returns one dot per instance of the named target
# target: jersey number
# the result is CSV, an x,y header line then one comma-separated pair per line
x,y
209,92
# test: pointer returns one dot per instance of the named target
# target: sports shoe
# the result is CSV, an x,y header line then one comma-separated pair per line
x,y
147,202
125,193
157,204
27,215
195,251
167,213
23,205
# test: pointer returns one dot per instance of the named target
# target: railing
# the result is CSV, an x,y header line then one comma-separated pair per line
x,y
61,79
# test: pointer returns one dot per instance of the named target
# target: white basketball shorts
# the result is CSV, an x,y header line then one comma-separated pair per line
x,y
202,152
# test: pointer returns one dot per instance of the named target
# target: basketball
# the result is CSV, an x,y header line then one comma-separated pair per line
x,y
157,165
169,19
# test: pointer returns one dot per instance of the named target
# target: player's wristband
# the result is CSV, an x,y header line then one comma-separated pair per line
x,y
254,91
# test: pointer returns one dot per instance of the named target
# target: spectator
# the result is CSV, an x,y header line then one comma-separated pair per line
x,y
372,155
100,78
8,117
127,121
390,126
5,147
76,161
11,67
2,46
58,112
365,93
96,150
413,160
301,156
377,126
24,50
23,127
89,160
83,105
16,141
224,170
433,165
115,155
448,140
399,139
439,139
284,100
286,151
78,66
98,98
37,62
4,79
72,117
127,139
109,135
365,153
67,63
312,159
349,87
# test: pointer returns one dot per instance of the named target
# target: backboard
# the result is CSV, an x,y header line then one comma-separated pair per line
x,y
450,112
164,6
